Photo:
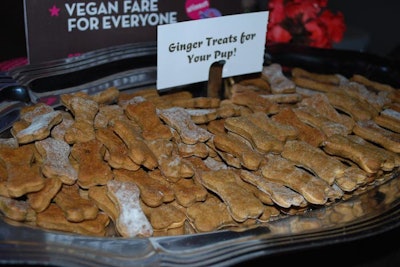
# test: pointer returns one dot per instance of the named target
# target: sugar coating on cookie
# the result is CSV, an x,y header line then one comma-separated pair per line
x,y
131,221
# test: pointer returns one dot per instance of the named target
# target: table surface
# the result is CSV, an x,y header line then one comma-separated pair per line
x,y
382,250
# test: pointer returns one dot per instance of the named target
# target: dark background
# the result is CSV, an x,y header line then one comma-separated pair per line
x,y
379,19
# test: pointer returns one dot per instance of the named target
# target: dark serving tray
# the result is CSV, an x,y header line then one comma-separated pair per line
x,y
133,67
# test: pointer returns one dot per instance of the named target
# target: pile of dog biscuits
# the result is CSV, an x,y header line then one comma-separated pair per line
x,y
145,163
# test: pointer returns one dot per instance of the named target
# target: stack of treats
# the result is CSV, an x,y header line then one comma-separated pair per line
x,y
145,163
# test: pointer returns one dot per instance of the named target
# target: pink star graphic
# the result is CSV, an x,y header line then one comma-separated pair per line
x,y
54,11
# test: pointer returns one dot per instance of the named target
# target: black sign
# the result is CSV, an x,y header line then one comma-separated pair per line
x,y
63,28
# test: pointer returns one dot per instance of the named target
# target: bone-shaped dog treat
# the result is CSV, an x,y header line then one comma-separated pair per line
x,y
180,120
117,155
307,133
333,79
92,169
280,170
22,176
354,107
56,160
58,131
320,103
187,192
243,96
53,219
229,143
211,215
171,164
165,216
84,111
145,115
41,199
311,117
390,159
139,152
17,210
39,128
131,221
389,119
317,161
259,138
107,115
75,207
281,195
153,192
280,131
278,82
196,102
241,204
368,159
369,130
98,194
201,116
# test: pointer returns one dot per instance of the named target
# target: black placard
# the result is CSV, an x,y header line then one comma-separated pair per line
x,y
63,28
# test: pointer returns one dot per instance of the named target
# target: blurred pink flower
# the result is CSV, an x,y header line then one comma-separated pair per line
x,y
305,22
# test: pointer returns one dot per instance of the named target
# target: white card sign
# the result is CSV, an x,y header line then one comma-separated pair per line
x,y
186,50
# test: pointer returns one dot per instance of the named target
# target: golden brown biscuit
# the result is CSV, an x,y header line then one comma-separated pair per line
x,y
196,102
41,199
170,163
200,150
233,145
117,151
58,131
242,205
321,164
368,159
390,159
374,84
259,138
357,109
244,96
107,97
53,219
165,216
23,176
320,103
307,133
187,192
92,169
209,216
139,152
325,78
153,192
17,210
280,170
98,194
280,195
145,115
107,115
311,117
280,131
389,119
74,207
84,111
371,131
56,164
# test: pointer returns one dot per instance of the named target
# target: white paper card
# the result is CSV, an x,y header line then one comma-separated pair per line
x,y
186,50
